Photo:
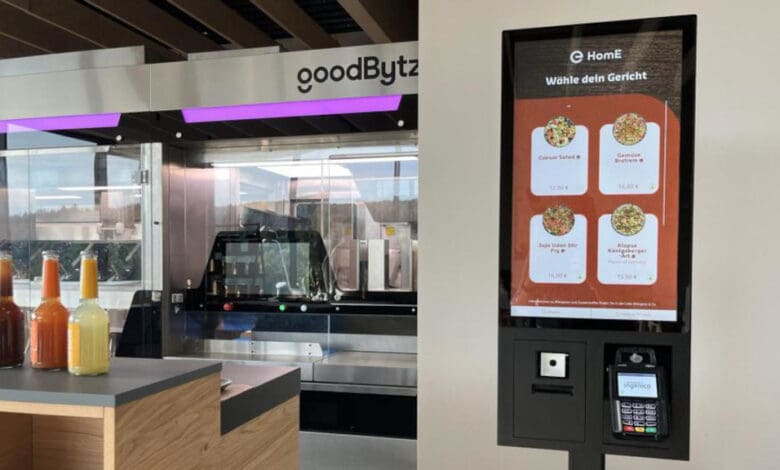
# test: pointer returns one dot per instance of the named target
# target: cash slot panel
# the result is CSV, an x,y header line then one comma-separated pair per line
x,y
547,405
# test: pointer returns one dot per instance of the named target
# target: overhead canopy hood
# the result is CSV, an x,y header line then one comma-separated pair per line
x,y
347,72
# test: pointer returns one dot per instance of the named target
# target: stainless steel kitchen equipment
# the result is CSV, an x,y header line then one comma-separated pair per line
x,y
273,255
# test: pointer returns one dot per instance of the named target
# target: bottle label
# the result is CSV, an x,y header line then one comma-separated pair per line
x,y
74,345
35,353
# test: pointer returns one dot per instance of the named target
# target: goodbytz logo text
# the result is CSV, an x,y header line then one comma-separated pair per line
x,y
365,68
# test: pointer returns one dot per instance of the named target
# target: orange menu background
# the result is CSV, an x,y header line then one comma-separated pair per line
x,y
594,112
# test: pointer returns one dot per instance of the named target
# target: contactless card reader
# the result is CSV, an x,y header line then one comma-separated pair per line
x,y
638,395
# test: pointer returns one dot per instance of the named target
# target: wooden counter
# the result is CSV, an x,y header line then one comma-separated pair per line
x,y
149,414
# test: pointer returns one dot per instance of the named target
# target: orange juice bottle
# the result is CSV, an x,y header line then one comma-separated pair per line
x,y
49,322
88,325
11,317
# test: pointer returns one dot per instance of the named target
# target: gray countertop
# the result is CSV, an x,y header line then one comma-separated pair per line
x,y
128,380
255,390
304,363
368,368
341,367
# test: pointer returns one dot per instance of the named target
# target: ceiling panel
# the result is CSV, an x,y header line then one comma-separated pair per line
x,y
157,23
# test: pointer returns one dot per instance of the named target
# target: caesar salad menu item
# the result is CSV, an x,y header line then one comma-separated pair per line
x,y
558,220
628,219
559,131
629,129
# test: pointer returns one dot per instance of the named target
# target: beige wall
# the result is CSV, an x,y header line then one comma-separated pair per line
x,y
736,389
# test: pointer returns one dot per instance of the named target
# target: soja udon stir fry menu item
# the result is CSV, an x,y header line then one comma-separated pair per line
x,y
558,220
558,246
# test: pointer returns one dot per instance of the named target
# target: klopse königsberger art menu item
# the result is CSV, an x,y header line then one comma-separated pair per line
x,y
596,177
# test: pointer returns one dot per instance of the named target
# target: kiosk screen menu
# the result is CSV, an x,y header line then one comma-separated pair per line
x,y
596,176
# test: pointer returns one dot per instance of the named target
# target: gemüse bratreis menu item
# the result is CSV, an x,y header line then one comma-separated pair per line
x,y
629,156
629,129
49,322
11,318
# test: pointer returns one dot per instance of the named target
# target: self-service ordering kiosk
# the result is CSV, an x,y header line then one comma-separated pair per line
x,y
596,239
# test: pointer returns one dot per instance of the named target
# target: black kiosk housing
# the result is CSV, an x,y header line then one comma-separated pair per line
x,y
558,382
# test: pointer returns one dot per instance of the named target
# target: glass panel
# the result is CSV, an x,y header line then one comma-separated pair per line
x,y
275,233
37,139
69,200
351,197
376,199
267,269
15,219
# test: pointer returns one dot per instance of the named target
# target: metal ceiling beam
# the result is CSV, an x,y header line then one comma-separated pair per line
x,y
90,25
10,47
16,23
295,21
383,21
290,126
157,23
225,22
329,124
371,122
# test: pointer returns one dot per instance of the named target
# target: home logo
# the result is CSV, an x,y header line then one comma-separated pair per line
x,y
578,56
364,68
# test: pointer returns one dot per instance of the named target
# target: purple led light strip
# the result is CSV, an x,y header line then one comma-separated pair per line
x,y
60,123
362,104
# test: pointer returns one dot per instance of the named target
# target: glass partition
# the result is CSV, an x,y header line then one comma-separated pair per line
x,y
276,237
360,199
72,199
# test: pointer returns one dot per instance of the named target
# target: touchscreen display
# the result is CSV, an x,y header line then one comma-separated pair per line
x,y
632,385
596,172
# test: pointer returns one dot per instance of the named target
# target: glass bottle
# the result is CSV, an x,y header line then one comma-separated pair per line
x,y
49,322
88,325
11,317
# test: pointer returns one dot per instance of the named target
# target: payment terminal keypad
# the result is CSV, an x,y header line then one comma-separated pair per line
x,y
639,417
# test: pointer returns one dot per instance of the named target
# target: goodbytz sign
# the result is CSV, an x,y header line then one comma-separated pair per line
x,y
363,68
384,69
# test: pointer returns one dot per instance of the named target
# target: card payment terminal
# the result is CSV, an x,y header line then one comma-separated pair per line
x,y
638,395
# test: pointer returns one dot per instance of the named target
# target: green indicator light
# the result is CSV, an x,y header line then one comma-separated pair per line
x,y
282,308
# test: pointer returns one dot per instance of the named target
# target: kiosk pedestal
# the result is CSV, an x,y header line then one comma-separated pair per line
x,y
584,460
